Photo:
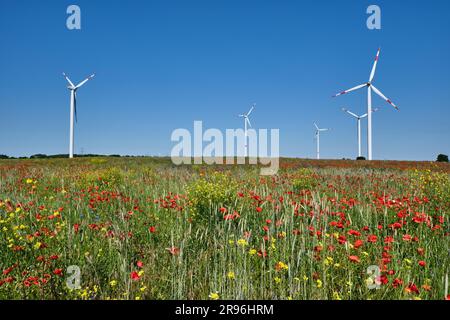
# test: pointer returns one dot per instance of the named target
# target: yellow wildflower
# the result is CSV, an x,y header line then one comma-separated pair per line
x,y
242,242
214,296
336,296
319,283
280,266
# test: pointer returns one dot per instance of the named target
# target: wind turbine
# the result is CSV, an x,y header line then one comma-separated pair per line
x,y
318,131
73,106
370,87
247,122
358,119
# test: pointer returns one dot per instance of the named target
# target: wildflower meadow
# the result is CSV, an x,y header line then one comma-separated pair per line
x,y
143,228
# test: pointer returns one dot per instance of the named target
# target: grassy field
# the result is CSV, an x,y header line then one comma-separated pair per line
x,y
142,228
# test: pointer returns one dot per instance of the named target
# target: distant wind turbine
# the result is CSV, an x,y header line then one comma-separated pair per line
x,y
318,131
370,87
358,119
73,106
247,122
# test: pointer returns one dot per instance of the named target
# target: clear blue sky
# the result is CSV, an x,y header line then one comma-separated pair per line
x,y
160,65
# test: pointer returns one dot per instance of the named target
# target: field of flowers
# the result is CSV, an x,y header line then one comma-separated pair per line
x,y
142,228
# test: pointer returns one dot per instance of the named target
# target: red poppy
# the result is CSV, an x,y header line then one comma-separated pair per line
x,y
7,271
318,248
9,279
354,233
354,259
388,239
140,264
422,263
262,253
396,225
342,239
412,288
57,272
152,229
258,209
223,210
383,279
397,282
358,243
173,251
407,237
135,276
372,238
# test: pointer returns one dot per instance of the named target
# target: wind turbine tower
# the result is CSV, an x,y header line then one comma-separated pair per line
x,y
73,107
318,131
247,123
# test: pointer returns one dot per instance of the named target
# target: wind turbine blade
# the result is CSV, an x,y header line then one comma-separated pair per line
x,y
250,111
315,125
68,80
84,81
363,116
248,121
351,113
378,92
374,68
350,90
240,115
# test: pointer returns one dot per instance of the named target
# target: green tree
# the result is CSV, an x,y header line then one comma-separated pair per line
x,y
442,158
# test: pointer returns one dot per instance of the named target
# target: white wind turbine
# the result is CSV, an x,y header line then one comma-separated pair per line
x,y
370,87
358,119
318,131
73,106
247,122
